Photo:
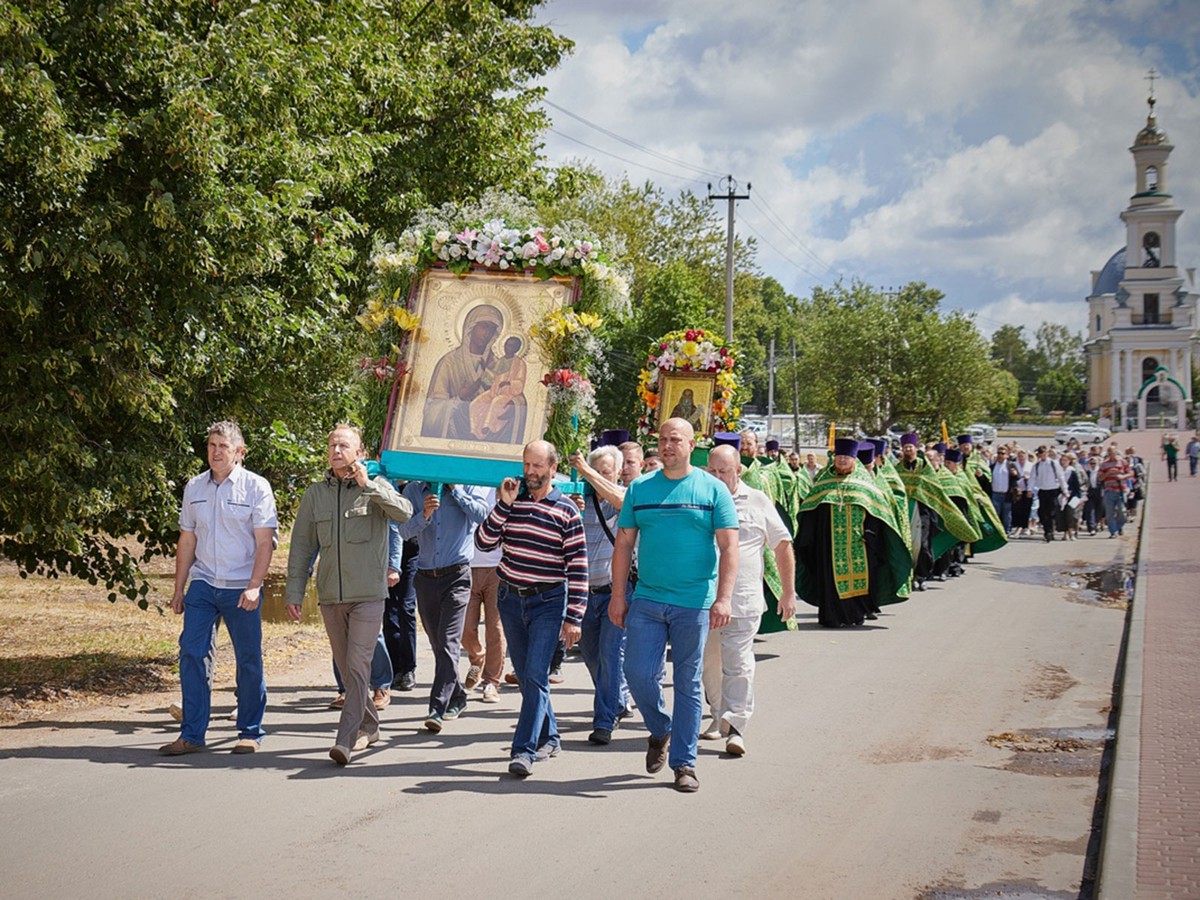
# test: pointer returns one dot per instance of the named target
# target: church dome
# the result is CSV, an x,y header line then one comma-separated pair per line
x,y
1151,135
1111,275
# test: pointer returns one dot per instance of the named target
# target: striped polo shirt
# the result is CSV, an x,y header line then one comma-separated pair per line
x,y
542,541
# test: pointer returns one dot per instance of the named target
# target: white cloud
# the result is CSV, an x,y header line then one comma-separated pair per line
x,y
978,144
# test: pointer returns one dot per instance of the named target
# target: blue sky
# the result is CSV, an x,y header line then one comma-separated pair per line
x,y
981,147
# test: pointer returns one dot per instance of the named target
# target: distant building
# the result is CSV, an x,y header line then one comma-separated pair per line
x,y
1142,311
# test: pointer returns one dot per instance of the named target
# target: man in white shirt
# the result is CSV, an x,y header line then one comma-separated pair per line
x,y
1048,482
728,669
226,530
1004,478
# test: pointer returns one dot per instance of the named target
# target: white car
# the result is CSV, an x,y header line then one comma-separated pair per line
x,y
982,432
1084,433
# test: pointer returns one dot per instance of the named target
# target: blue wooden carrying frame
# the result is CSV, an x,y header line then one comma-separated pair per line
x,y
399,465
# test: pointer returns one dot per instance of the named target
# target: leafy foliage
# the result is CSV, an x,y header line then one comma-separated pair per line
x,y
188,194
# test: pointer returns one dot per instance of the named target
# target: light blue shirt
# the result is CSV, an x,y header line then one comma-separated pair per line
x,y
447,538
223,518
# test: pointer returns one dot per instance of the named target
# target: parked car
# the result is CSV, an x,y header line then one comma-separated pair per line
x,y
1086,433
981,431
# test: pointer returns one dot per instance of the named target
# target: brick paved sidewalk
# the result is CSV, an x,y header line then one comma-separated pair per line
x,y
1151,844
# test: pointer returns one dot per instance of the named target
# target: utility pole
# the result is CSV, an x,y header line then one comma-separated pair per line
x,y
795,400
771,391
730,195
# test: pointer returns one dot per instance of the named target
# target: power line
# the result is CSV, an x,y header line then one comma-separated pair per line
x,y
782,255
777,220
634,144
677,177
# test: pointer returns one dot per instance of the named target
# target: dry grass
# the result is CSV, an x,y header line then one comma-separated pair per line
x,y
63,644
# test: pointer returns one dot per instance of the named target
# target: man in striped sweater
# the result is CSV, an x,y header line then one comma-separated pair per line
x,y
543,591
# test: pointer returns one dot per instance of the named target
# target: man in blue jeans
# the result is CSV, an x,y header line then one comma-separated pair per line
x,y
685,585
226,531
543,591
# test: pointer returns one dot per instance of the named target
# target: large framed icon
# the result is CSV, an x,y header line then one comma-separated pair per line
x,y
473,394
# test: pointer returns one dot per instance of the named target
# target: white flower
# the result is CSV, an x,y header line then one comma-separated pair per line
x,y
441,237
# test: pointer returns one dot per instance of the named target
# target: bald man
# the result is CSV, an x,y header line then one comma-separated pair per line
x,y
685,586
729,650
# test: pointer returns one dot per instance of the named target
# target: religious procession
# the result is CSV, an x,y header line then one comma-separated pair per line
x,y
486,496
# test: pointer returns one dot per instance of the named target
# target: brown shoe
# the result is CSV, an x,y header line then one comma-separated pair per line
x,y
178,747
474,674
511,678
382,698
246,745
656,753
686,780
338,702
364,740
175,711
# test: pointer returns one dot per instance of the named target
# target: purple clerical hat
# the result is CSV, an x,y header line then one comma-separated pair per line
x,y
940,447
964,439
880,446
866,453
728,438
614,437
772,445
910,438
845,447
953,455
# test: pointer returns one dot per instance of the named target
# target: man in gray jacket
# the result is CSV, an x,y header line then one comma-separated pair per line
x,y
345,516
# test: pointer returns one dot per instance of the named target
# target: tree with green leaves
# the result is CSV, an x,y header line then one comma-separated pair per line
x,y
879,359
189,192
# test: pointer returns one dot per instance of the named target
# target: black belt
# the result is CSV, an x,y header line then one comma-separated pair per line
x,y
444,570
531,589
601,588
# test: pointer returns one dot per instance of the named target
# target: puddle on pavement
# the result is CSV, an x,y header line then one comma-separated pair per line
x,y
1005,891
1111,587
1071,752
274,601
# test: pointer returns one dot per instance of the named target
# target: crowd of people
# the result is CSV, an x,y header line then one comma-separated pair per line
x,y
646,549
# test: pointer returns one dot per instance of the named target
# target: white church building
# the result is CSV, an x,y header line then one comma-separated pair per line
x,y
1143,335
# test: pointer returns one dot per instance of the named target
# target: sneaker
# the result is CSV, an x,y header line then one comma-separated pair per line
x,y
625,713
364,740
175,711
713,734
547,751
383,696
735,745
338,702
556,676
433,722
600,736
406,682
340,754
178,747
511,678
521,766
490,694
686,780
474,674
453,712
246,745
656,753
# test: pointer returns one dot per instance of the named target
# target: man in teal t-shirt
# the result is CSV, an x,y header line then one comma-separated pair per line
x,y
687,565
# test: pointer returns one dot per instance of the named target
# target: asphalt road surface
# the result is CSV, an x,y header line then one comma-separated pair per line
x,y
870,774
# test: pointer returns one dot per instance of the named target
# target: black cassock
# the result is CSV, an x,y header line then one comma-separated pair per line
x,y
814,551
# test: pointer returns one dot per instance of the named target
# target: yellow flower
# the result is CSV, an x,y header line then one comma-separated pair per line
x,y
591,321
404,320
688,348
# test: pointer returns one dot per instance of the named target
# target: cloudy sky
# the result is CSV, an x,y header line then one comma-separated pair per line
x,y
979,146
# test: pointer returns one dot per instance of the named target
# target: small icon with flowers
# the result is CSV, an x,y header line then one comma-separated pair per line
x,y
690,350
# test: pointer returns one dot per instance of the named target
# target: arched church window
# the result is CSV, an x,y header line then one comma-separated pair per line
x,y
1152,178
1149,364
1152,250
1097,324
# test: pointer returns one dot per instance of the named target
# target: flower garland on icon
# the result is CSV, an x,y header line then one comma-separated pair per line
x,y
690,350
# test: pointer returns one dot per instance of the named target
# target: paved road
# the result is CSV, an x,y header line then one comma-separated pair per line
x,y
870,774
